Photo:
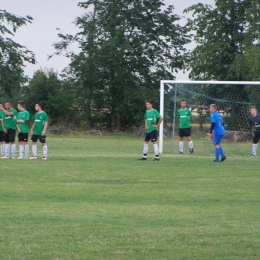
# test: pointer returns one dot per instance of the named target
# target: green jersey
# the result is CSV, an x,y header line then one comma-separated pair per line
x,y
23,115
152,117
10,121
39,119
184,115
2,115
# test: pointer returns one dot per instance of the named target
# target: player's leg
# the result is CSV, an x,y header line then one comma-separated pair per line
x,y
34,139
7,146
221,151
154,135
2,144
145,148
188,134
21,146
255,141
12,141
44,147
181,134
26,145
217,140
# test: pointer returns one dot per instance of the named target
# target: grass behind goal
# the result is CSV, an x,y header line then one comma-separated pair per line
x,y
93,200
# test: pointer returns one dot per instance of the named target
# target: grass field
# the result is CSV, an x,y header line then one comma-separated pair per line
x,y
93,200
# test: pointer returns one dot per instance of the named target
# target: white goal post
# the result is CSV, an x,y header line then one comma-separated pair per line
x,y
176,82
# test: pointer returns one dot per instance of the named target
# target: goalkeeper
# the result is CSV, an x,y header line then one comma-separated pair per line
x,y
217,125
254,125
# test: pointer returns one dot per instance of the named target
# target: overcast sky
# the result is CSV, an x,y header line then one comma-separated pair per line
x,y
51,14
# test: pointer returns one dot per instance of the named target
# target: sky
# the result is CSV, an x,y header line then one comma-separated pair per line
x,y
48,15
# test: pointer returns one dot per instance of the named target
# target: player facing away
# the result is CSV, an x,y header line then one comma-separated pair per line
x,y
2,114
185,116
152,120
217,126
9,127
38,131
22,122
254,125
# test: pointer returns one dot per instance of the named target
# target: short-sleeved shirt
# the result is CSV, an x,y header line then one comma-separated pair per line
x,y
184,115
2,115
23,115
152,117
39,119
10,121
254,122
218,120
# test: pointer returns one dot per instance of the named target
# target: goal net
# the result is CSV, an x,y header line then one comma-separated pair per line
x,y
233,100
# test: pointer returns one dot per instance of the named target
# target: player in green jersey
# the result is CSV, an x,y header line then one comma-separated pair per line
x,y
2,114
22,120
38,131
152,120
185,116
9,127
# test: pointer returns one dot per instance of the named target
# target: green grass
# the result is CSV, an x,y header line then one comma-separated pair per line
x,y
93,200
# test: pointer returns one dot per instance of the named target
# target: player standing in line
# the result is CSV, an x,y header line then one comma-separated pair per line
x,y
2,114
38,131
9,127
254,125
185,116
217,125
152,120
22,120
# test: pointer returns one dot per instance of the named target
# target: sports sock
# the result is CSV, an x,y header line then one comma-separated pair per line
x,y
21,150
217,151
34,150
7,149
254,148
26,151
13,150
181,146
145,150
221,152
45,150
156,150
2,149
191,144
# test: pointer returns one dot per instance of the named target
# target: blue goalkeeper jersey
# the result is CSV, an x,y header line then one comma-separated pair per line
x,y
219,123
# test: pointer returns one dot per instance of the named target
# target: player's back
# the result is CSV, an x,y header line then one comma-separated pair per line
x,y
219,123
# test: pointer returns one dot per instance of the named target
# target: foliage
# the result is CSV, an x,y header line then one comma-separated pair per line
x,y
56,95
227,38
125,48
12,54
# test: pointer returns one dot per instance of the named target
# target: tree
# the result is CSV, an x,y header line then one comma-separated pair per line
x,y
12,54
126,47
55,94
225,36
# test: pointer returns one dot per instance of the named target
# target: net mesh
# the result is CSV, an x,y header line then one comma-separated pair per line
x,y
233,102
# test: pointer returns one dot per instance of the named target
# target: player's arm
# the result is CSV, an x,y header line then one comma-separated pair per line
x,y
191,117
44,128
145,123
32,128
212,120
159,121
18,128
3,125
8,113
251,126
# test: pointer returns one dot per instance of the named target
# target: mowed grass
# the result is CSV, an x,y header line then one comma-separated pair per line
x,y
93,200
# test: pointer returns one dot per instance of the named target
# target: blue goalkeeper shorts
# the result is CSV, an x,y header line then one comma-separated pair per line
x,y
217,139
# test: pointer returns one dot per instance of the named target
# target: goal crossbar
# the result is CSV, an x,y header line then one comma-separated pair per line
x,y
176,82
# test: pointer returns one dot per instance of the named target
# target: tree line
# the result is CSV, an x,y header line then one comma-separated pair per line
x,y
125,48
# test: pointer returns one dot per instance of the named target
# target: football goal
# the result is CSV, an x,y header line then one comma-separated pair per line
x,y
233,100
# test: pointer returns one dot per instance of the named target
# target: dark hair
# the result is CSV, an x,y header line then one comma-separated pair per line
x,y
39,104
183,100
8,101
149,101
253,107
21,103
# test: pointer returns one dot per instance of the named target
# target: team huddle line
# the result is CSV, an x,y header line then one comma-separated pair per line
x,y
13,121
